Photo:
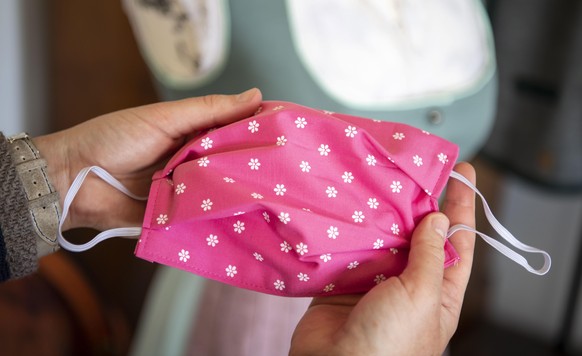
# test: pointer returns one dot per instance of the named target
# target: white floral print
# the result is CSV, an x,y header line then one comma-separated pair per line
x,y
238,213
206,143
351,131
281,141
443,158
254,164
228,180
301,248
257,196
206,204
162,219
266,216
301,122
258,256
239,227
305,167
379,278
324,150
358,216
348,177
395,229
379,243
203,162
394,250
328,288
325,257
212,240
331,192
278,107
353,265
332,232
417,160
231,271
284,218
254,126
371,160
396,186
398,136
280,189
303,277
373,203
285,247
279,285
184,255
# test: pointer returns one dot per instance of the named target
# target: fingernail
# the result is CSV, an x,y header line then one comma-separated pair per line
x,y
246,95
440,224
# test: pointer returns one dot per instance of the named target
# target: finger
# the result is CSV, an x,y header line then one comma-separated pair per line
x,y
424,271
459,206
183,117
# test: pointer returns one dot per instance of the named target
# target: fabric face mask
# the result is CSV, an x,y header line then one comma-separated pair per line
x,y
298,202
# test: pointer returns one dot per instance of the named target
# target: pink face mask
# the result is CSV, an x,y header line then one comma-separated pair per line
x,y
297,202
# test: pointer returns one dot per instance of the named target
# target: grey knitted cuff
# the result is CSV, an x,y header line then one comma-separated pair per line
x,y
15,219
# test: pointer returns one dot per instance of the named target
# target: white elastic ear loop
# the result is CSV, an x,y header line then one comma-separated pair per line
x,y
503,232
104,235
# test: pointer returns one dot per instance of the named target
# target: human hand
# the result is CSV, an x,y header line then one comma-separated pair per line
x,y
415,313
131,145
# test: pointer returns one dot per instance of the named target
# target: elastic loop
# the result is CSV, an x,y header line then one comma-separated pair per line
x,y
504,233
104,235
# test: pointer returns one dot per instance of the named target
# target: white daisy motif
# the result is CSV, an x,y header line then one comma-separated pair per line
x,y
327,112
212,240
206,205
358,216
398,136
396,186
348,177
425,132
184,255
254,164
280,189
162,219
279,107
254,126
203,162
239,227
256,195
353,265
206,143
351,131
284,218
281,141
325,257
379,278
428,192
303,277
238,213
417,160
332,232
394,250
324,150
285,247
395,229
301,122
231,271
328,288
305,167
371,160
228,180
301,248
279,285
180,188
331,192
443,158
258,257
373,203
266,216
378,244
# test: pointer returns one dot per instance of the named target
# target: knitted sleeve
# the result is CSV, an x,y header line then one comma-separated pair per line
x,y
18,256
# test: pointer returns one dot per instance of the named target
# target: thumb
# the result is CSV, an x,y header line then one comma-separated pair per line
x,y
426,259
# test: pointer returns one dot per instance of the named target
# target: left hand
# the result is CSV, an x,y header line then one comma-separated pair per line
x,y
131,145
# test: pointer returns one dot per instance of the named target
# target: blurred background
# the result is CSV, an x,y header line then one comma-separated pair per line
x,y
64,62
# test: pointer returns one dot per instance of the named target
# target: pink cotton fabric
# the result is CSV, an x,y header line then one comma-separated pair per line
x,y
296,201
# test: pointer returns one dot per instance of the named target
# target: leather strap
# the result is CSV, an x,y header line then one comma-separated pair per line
x,y
43,200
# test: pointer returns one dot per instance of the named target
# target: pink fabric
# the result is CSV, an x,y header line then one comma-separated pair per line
x,y
296,201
